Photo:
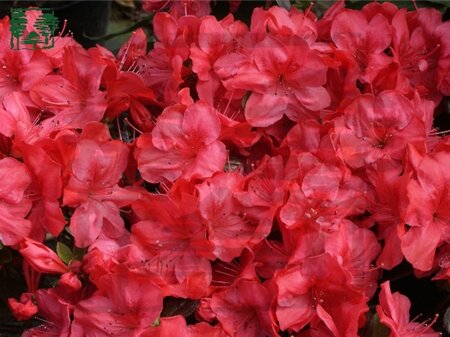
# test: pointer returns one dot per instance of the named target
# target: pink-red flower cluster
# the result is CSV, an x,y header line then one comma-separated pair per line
x,y
264,174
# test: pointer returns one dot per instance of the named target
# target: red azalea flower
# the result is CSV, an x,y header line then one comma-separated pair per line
x,y
324,24
174,243
133,50
176,251
394,313
235,129
125,87
262,195
322,196
126,304
54,313
46,189
388,210
21,70
302,137
282,22
162,69
226,226
270,256
216,40
364,40
73,97
14,206
420,50
318,290
123,90
378,126
284,75
96,168
342,76
355,248
184,143
243,310
17,120
225,274
428,211
387,9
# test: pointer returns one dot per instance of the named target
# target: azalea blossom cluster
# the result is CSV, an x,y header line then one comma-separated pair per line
x,y
264,175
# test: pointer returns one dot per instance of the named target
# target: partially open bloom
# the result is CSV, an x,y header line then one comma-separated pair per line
x,y
394,313
23,309
41,257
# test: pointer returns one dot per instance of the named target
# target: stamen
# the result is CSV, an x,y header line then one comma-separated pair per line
x,y
225,283
62,104
44,320
132,126
228,267
435,132
425,325
164,187
134,68
124,56
235,114
432,51
228,104
275,246
118,129
36,120
164,5
224,272
63,28
308,10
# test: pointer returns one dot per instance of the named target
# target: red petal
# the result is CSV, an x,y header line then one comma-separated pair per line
x,y
265,110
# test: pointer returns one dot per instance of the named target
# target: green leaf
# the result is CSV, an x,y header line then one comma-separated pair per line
x,y
245,99
156,322
284,4
378,329
78,253
64,252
